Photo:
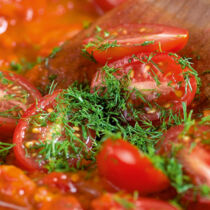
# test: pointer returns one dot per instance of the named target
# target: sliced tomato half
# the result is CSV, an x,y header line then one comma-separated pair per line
x,y
115,43
159,78
16,94
127,168
42,124
194,155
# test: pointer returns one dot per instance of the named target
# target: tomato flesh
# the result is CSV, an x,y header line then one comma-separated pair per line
x,y
16,96
29,133
130,39
127,168
161,81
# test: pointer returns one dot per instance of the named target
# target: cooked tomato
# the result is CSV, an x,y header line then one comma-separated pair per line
x,y
121,202
126,167
193,154
62,203
115,43
60,181
16,96
43,125
15,186
108,4
160,80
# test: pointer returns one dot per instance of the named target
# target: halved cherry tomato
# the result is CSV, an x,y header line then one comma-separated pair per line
x,y
115,43
35,127
159,78
108,4
62,203
193,154
122,202
16,96
127,168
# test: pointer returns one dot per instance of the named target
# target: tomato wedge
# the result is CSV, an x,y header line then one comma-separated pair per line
x,y
159,78
115,43
127,168
16,96
108,4
122,202
40,136
194,155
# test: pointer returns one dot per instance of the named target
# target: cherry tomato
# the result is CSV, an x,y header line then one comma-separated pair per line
x,y
62,203
121,202
158,77
40,123
16,96
108,4
123,40
127,168
193,154
15,186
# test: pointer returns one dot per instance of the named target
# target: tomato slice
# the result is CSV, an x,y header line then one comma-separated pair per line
x,y
121,202
127,168
108,4
194,155
16,96
41,129
115,43
159,78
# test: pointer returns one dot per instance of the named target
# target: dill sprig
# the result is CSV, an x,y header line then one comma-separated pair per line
x,y
5,149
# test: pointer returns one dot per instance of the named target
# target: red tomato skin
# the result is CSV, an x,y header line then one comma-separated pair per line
x,y
107,5
123,165
108,201
7,125
174,40
141,77
24,162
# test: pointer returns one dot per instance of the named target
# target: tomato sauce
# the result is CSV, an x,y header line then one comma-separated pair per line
x,y
31,29
29,32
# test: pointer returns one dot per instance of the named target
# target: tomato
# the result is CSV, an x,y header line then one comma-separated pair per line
x,y
121,202
16,96
60,181
160,80
108,4
15,186
193,154
127,168
42,124
62,203
115,43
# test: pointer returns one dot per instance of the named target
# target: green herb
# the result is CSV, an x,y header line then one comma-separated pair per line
x,y
5,149
124,202
145,43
